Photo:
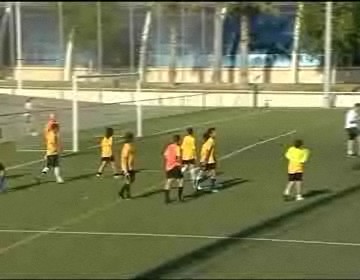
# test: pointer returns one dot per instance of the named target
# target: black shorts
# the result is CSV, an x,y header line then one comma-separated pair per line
x,y
188,162
52,161
131,176
209,166
352,133
174,173
298,177
108,159
2,167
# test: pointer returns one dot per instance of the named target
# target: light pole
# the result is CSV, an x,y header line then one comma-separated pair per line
x,y
19,56
328,97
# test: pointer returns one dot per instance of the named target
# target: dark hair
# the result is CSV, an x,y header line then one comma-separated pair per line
x,y
211,130
109,131
190,130
54,125
206,136
298,143
176,138
129,137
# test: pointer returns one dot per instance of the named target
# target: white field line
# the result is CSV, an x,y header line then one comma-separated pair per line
x,y
35,150
182,236
38,234
162,132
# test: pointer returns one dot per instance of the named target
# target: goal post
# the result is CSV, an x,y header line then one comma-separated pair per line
x,y
140,79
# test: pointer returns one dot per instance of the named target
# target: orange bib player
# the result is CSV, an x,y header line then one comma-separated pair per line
x,y
172,164
127,165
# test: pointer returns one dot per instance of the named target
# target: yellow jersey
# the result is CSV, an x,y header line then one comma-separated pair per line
x,y
207,153
188,148
127,157
297,158
106,147
52,144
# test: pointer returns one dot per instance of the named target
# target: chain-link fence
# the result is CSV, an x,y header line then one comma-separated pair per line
x,y
106,36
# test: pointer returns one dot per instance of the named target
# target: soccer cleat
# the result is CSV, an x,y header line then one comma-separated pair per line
x,y
299,198
116,176
98,174
60,180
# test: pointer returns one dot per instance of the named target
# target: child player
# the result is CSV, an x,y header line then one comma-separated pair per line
x,y
172,162
52,152
297,155
2,178
107,156
127,165
207,160
188,154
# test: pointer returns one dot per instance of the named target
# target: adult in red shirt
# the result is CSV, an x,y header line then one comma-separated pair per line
x,y
172,164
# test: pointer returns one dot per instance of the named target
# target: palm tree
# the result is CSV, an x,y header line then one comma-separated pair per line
x,y
220,12
171,9
246,10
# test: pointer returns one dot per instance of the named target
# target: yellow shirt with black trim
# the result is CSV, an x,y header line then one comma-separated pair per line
x,y
297,158
207,153
188,148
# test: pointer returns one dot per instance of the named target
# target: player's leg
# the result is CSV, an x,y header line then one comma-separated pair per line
x,y
289,186
201,176
125,192
114,167
193,169
57,171
47,166
2,178
298,186
104,162
212,175
180,183
352,135
168,183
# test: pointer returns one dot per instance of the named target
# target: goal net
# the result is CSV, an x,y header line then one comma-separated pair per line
x,y
119,101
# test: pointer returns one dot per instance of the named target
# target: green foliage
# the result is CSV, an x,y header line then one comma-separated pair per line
x,y
82,17
345,32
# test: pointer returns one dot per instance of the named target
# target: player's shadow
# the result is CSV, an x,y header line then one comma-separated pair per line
x,y
227,184
16,176
46,181
206,252
314,193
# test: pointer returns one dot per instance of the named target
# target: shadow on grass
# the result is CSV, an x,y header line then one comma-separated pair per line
x,y
314,193
15,176
225,185
204,253
36,182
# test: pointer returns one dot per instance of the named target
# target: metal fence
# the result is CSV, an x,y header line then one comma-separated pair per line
x,y
108,35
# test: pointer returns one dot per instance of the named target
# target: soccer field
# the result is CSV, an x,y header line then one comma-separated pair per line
x,y
82,230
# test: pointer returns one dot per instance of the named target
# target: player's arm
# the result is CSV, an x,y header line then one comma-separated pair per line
x,y
124,160
305,157
178,154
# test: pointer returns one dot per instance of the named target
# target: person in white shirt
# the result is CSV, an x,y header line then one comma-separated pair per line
x,y
352,120
28,106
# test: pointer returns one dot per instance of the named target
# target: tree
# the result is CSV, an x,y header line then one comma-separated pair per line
x,y
172,10
345,34
82,17
246,10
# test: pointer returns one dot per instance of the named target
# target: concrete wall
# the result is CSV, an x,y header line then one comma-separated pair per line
x,y
190,98
204,75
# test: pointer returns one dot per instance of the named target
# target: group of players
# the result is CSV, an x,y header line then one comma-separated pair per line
x,y
180,157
